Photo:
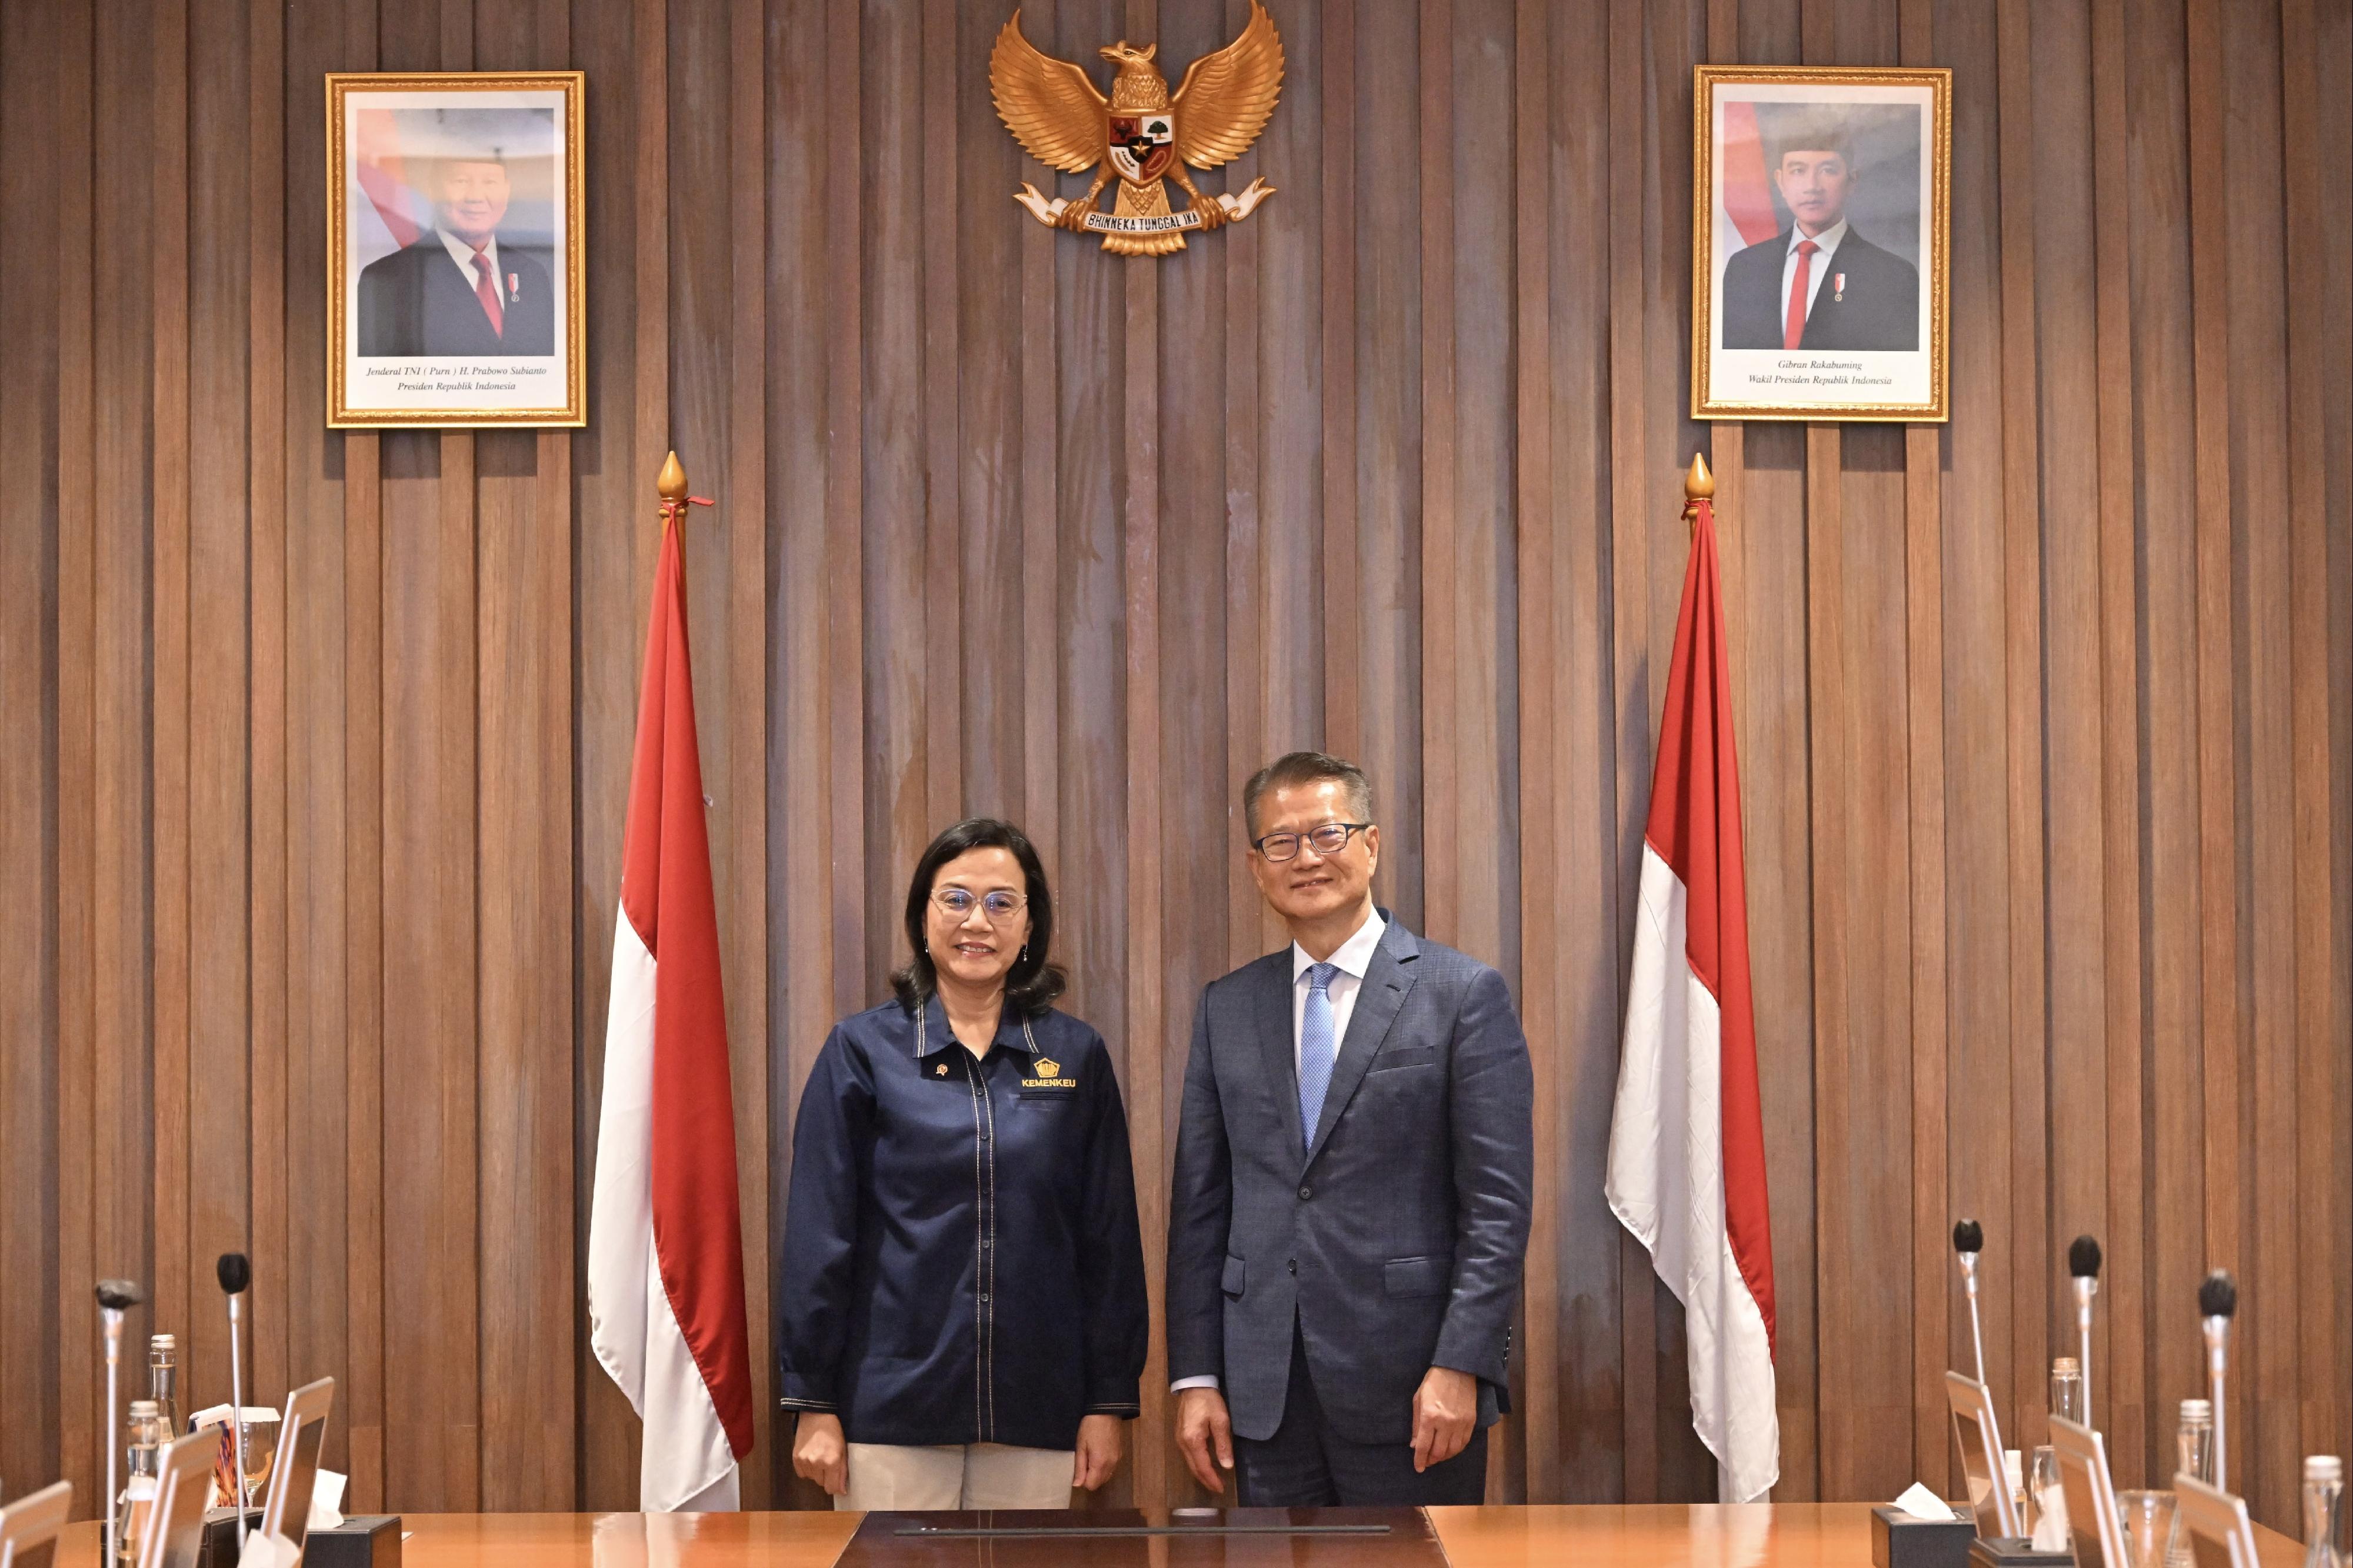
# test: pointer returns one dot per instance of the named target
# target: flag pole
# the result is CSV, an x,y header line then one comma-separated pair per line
x,y
671,485
1699,485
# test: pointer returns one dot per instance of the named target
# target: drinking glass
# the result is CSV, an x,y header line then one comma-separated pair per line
x,y
2145,1521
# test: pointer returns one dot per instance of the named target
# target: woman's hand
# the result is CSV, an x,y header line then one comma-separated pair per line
x,y
820,1453
1100,1441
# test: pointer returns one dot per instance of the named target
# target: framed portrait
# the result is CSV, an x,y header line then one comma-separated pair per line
x,y
1819,243
454,249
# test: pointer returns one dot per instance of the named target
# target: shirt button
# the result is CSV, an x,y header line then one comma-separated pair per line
x,y
984,1296
985,1244
1294,1266
1305,1193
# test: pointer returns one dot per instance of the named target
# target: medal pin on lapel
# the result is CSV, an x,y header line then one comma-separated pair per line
x,y
514,287
1837,288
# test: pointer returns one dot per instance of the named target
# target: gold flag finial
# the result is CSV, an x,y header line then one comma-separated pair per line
x,y
1699,484
671,484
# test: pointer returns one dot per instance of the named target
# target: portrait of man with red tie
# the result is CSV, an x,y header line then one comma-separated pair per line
x,y
456,289
1819,284
456,250
1818,266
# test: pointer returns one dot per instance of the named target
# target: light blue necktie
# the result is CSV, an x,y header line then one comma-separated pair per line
x,y
1317,1049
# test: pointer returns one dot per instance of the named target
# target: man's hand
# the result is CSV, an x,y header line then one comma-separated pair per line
x,y
1445,1414
1203,1431
820,1454
1101,1439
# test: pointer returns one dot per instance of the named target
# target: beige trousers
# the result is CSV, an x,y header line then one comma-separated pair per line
x,y
955,1476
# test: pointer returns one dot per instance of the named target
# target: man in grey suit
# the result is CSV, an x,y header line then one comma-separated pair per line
x,y
1354,1170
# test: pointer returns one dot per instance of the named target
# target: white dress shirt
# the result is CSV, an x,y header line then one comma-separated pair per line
x,y
1829,242
1353,958
463,254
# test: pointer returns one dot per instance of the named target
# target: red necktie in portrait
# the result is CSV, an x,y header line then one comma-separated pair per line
x,y
1793,329
487,290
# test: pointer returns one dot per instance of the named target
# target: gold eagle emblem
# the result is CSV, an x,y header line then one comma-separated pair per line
x,y
1141,132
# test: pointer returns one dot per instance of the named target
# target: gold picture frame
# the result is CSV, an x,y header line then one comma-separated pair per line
x,y
1865,334
430,174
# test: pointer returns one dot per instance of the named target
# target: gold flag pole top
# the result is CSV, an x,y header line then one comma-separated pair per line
x,y
1699,485
671,484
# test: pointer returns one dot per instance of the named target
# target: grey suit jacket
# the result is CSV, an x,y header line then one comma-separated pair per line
x,y
1397,1238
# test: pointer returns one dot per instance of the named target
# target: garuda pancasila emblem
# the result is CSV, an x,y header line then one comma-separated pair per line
x,y
1140,132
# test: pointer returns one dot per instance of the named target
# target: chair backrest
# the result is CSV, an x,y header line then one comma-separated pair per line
x,y
287,1514
2220,1532
32,1522
1980,1438
2083,1478
176,1525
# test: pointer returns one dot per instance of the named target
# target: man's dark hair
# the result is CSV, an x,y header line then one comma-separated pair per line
x,y
1032,984
1295,768
1811,130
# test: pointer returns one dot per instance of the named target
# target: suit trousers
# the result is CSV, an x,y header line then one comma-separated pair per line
x,y
955,1476
1309,1463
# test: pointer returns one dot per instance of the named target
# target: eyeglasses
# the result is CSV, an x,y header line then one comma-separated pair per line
x,y
999,906
1328,839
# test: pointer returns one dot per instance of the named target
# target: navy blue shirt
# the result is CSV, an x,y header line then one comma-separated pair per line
x,y
962,1262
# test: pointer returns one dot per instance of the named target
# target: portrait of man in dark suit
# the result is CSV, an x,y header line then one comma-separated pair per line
x,y
1818,284
456,289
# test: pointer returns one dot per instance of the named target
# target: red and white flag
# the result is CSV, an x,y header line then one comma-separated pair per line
x,y
665,1227
1687,1141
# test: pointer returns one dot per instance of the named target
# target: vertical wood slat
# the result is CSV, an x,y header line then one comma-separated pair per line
x,y
169,667
1343,630
747,704
266,943
1442,892
2218,1030
79,885
1932,1268
2126,1379
2023,611
1539,744
2322,1193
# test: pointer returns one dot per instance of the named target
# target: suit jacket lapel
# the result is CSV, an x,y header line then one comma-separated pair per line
x,y
1270,1007
1378,1003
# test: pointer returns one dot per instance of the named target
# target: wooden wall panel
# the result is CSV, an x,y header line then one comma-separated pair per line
x,y
314,745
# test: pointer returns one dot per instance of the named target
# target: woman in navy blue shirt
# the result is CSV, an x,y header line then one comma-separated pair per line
x,y
964,1314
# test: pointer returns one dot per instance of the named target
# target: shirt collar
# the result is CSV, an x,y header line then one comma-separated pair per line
x,y
1828,241
938,1036
1353,957
464,254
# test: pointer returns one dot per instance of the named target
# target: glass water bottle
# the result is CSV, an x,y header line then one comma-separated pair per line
x,y
2193,1456
139,1489
2067,1391
2324,1489
164,1383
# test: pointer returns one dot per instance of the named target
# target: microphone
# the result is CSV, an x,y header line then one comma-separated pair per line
x,y
234,1274
115,1297
1968,1240
2083,1263
2218,1299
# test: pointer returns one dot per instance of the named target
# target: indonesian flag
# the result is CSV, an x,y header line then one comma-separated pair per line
x,y
665,1232
1687,1141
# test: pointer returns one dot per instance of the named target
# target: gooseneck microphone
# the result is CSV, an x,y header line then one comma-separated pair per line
x,y
234,1274
2218,1300
115,1297
2083,1263
1968,1240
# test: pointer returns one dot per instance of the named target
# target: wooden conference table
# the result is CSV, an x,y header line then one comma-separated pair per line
x,y
1758,1535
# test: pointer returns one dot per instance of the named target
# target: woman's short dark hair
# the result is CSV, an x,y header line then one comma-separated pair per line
x,y
1033,983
